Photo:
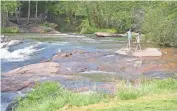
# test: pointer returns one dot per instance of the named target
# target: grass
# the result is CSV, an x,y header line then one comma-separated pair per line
x,y
126,92
162,102
156,95
50,96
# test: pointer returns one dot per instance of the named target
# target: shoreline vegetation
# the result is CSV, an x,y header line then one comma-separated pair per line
x,y
156,20
44,21
155,95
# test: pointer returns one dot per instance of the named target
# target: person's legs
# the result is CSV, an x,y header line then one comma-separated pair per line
x,y
140,46
136,47
129,44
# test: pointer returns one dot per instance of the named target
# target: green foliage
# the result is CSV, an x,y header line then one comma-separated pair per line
x,y
166,104
87,29
9,6
126,92
51,96
10,30
156,20
160,24
51,25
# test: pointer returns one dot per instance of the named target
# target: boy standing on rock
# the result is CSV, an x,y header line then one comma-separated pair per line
x,y
129,33
138,41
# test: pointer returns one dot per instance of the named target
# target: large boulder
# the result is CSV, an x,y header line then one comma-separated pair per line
x,y
106,34
148,52
23,77
103,34
46,68
53,32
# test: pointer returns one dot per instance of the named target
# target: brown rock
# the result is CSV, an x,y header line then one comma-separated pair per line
x,y
106,34
53,32
23,77
148,52
40,29
62,55
14,85
45,68
103,34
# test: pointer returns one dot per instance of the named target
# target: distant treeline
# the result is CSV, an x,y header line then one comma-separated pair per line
x,y
157,20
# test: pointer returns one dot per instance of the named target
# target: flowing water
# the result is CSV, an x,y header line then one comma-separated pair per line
x,y
37,48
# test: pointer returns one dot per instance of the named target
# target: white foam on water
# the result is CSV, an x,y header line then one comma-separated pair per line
x,y
107,40
3,44
111,55
97,72
19,54
59,50
61,43
76,36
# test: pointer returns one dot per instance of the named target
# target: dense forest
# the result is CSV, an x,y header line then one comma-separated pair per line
x,y
156,20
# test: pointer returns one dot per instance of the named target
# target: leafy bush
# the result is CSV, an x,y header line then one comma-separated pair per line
x,y
51,25
10,30
87,29
160,25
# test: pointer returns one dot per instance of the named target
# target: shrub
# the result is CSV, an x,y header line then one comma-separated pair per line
x,y
87,29
10,30
51,25
160,26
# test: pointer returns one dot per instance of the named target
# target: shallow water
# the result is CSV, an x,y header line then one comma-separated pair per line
x,y
37,48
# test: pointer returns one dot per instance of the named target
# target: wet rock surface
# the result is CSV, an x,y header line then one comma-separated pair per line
x,y
66,65
148,52
84,69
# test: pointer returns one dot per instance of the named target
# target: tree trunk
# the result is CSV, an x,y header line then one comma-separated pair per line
x,y
28,11
2,19
36,11
19,12
17,15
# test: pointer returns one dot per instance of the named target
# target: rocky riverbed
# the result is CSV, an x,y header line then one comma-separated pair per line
x,y
79,63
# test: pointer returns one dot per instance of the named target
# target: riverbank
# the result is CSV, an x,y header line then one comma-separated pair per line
x,y
154,95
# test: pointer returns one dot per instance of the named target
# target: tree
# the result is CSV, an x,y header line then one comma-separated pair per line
x,y
36,11
29,10
160,23
7,7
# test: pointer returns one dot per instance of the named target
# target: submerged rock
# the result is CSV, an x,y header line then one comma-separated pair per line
x,y
138,63
14,42
123,51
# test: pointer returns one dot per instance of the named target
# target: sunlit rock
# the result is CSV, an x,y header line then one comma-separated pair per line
x,y
148,52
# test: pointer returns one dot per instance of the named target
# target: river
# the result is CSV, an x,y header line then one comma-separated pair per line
x,y
96,62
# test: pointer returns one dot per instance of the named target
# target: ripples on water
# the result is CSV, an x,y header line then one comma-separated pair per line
x,y
28,52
